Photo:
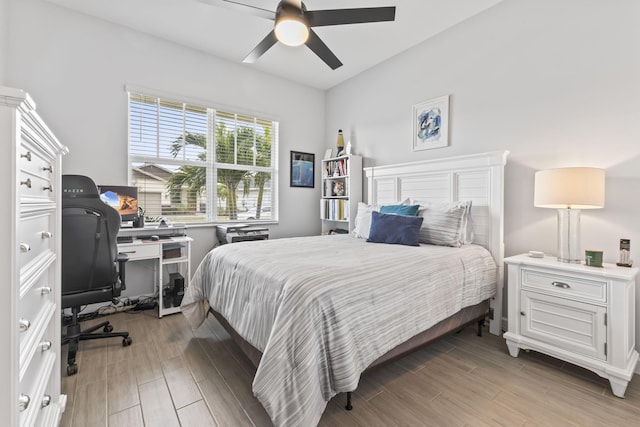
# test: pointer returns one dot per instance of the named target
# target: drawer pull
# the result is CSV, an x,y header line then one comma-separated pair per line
x,y
46,400
560,285
23,401
48,168
24,325
522,313
24,247
27,182
26,156
46,234
49,187
45,290
45,345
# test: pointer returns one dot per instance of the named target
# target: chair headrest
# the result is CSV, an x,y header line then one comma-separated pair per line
x,y
78,186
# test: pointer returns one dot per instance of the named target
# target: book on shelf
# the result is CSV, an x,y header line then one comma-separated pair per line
x,y
335,209
336,168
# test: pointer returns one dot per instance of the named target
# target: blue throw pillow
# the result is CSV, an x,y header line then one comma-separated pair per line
x,y
411,210
395,229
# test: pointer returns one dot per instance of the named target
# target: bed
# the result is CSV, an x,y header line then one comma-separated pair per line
x,y
327,308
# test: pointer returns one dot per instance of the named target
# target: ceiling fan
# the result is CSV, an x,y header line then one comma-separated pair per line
x,y
293,23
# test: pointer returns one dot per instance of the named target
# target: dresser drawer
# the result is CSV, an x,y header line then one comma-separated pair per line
x,y
575,287
35,355
35,236
36,173
31,395
34,162
32,333
37,293
48,408
144,251
35,187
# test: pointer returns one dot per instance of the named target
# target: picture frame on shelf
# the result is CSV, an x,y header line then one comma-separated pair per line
x,y
328,153
431,124
302,169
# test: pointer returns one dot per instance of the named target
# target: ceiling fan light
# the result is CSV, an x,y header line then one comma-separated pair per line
x,y
291,31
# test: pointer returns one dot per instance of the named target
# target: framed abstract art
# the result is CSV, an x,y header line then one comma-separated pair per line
x,y
431,124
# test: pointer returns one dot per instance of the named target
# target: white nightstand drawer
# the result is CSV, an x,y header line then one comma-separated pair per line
x,y
574,326
144,251
575,287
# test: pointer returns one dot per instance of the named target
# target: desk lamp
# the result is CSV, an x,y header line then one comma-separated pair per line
x,y
569,190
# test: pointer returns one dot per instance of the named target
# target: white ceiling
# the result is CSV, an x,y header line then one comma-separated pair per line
x,y
232,34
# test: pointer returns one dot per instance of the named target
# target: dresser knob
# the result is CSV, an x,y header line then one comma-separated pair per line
x,y
45,290
46,234
23,402
49,188
48,168
560,285
45,345
26,156
27,182
24,325
24,247
46,400
522,313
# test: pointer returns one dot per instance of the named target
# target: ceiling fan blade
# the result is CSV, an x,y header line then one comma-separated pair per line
x,y
262,47
241,7
319,48
321,18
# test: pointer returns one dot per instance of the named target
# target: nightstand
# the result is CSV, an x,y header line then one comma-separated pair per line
x,y
582,315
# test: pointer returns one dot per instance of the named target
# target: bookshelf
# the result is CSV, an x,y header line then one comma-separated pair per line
x,y
341,192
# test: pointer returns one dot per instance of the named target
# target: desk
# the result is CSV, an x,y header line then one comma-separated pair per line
x,y
156,250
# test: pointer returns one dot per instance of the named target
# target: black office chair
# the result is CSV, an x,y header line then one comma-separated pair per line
x,y
89,256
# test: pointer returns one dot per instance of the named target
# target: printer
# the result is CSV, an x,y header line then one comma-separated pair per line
x,y
233,233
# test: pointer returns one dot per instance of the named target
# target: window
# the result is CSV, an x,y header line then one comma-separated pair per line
x,y
198,164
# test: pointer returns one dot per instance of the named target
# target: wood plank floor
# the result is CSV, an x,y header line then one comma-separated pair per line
x,y
172,376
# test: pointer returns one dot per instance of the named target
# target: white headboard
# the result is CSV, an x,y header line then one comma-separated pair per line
x,y
475,177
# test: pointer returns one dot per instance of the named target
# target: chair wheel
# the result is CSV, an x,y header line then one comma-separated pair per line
x,y
72,369
126,341
107,329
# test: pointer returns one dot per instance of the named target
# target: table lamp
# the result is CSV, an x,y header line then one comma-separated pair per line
x,y
569,190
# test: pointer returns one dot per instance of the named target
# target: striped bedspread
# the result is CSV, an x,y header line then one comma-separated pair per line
x,y
322,308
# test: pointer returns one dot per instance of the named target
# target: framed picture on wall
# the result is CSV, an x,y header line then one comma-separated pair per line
x,y
302,169
431,124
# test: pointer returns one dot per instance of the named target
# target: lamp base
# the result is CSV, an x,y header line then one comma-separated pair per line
x,y
569,236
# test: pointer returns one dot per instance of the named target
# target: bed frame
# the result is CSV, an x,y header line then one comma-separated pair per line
x,y
477,177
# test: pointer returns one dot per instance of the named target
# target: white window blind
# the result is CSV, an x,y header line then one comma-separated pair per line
x,y
194,163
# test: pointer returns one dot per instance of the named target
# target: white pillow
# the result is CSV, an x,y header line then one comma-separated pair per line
x,y
363,220
446,224
362,223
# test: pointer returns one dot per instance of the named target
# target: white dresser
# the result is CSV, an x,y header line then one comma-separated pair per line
x,y
583,315
30,265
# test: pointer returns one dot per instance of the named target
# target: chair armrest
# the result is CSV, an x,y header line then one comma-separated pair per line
x,y
122,260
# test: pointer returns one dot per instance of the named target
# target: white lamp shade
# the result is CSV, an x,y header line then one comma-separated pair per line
x,y
573,188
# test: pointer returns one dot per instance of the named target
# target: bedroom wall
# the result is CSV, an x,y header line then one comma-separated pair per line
x,y
4,35
554,82
75,67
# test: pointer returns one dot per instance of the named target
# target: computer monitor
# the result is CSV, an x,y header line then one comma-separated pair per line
x,y
123,198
